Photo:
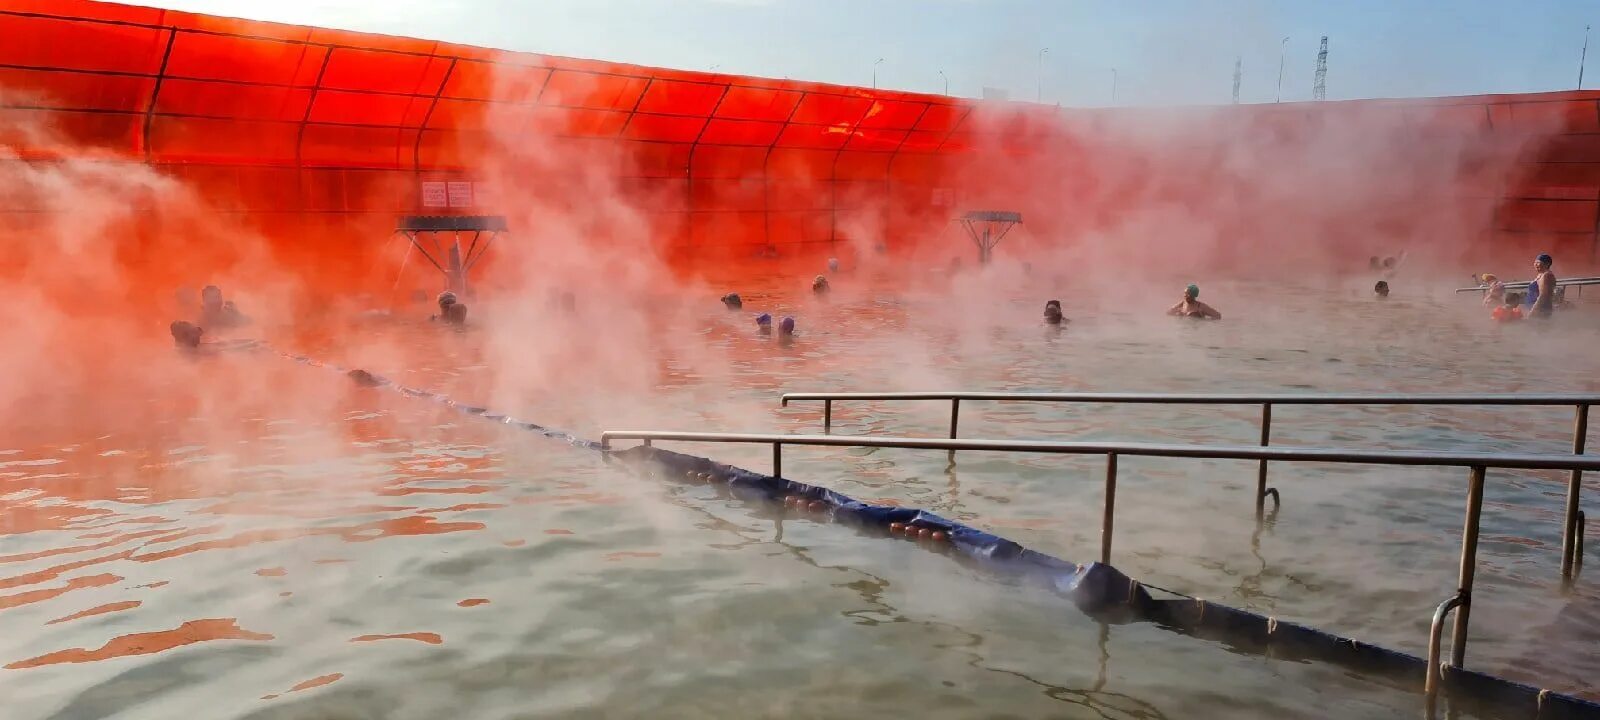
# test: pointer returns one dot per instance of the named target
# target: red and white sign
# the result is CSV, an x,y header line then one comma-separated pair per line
x,y
460,194
434,195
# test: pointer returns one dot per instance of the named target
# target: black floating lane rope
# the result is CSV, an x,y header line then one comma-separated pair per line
x,y
1095,588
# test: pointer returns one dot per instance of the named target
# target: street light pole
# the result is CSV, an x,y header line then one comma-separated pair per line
x,y
1280,68
1113,86
1038,94
1583,58
946,82
875,73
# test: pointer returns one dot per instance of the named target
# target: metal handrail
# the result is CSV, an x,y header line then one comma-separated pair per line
x,y
1571,545
1478,463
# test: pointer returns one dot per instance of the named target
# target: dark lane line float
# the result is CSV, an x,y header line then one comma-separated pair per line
x,y
1098,589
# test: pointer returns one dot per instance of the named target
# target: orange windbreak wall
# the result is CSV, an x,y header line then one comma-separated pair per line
x,y
317,140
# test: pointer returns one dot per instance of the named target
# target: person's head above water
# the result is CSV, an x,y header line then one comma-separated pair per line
x,y
211,296
732,301
446,299
819,284
1388,263
1052,312
1543,262
1381,288
764,321
1192,292
786,326
186,334
833,264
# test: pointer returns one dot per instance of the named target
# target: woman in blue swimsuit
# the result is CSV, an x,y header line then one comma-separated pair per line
x,y
1542,291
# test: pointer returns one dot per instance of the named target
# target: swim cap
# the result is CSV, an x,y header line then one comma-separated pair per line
x,y
786,325
763,319
1545,259
447,298
1192,291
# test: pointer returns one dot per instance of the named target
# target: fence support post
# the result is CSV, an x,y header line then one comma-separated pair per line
x,y
955,421
827,417
1469,567
1261,468
1570,540
777,460
1108,519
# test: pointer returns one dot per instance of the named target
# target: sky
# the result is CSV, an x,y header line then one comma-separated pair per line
x,y
1096,52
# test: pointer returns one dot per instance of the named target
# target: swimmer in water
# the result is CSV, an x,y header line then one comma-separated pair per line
x,y
451,311
1542,290
1510,311
786,327
819,285
1496,294
217,313
764,324
186,334
1374,264
833,265
1191,307
1381,289
1052,312
732,301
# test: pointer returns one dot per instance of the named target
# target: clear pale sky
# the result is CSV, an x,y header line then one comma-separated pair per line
x,y
1165,51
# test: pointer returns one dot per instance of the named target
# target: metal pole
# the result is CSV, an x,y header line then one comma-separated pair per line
x,y
1280,69
1113,86
1583,59
1469,566
1261,469
1430,686
955,421
946,82
827,416
1107,520
777,460
1569,527
875,73
1038,95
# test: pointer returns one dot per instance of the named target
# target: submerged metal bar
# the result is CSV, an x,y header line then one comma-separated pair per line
x,y
1571,533
1469,567
1517,461
1430,687
1261,469
1107,520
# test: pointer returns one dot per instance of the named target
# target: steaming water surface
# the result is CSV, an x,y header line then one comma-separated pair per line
x,y
372,555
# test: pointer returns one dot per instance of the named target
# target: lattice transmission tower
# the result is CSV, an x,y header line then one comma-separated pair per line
x,y
1319,91
1238,73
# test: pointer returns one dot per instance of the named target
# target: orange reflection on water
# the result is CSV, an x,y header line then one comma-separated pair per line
x,y
319,681
99,610
472,602
272,572
77,583
51,573
148,643
427,637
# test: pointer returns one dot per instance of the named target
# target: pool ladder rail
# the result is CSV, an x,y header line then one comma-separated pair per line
x,y
1193,613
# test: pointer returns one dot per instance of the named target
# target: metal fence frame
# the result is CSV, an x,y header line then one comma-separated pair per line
x,y
1571,544
1477,463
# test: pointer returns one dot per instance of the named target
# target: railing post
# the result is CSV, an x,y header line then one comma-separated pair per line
x,y
827,416
1569,529
1261,469
1469,566
777,460
1430,685
955,421
1108,519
